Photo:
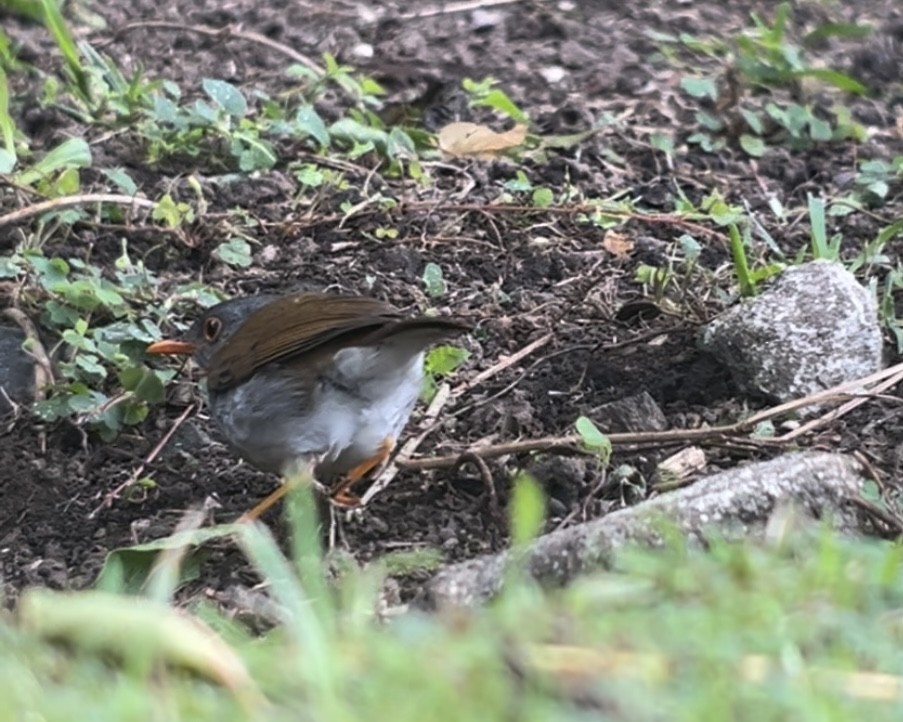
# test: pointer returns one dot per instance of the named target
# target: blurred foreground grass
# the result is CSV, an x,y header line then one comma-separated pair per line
x,y
808,631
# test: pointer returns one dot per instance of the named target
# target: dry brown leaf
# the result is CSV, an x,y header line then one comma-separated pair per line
x,y
456,139
617,244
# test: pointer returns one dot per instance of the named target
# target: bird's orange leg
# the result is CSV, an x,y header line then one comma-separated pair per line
x,y
264,504
292,480
340,495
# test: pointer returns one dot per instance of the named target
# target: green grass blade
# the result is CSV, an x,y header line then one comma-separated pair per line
x,y
819,231
56,24
741,264
7,128
72,153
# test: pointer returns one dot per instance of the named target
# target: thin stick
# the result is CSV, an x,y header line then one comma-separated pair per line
x,y
504,363
486,476
225,32
136,474
842,410
410,446
57,204
458,7
487,208
716,434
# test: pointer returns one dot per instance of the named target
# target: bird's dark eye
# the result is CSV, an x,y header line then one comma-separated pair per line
x,y
212,328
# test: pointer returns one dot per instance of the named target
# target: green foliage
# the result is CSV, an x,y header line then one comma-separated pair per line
x,y
874,184
823,248
484,93
434,280
593,439
760,62
7,128
807,630
102,324
528,510
441,361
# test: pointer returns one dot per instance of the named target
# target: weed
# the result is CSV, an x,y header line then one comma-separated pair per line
x,y
759,62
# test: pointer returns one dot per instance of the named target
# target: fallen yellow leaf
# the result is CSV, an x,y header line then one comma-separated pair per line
x,y
457,139
617,244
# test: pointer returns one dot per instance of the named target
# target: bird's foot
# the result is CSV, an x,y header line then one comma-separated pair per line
x,y
341,494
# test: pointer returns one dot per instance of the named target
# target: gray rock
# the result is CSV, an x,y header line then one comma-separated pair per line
x,y
16,369
816,327
632,413
733,505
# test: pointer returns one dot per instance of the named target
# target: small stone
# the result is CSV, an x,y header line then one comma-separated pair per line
x,y
485,19
362,51
632,413
553,74
814,328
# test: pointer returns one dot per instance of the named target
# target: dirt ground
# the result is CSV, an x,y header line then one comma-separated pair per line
x,y
519,277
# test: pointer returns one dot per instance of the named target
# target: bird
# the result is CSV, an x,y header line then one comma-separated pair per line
x,y
311,381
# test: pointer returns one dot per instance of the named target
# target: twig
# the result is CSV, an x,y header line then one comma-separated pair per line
x,y
43,369
410,446
111,496
486,475
56,204
458,7
842,410
649,218
504,363
892,521
715,434
224,32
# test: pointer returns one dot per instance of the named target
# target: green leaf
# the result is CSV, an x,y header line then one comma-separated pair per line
x,y
234,252
543,197
753,145
820,130
91,365
127,569
592,438
700,87
256,155
7,161
144,383
498,100
226,96
434,280
354,131
519,183
753,121
309,122
443,360
528,510
171,213
837,79
71,153
121,179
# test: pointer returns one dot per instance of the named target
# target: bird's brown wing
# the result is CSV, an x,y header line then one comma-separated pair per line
x,y
295,325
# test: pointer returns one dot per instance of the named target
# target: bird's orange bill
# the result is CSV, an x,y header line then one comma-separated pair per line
x,y
171,348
